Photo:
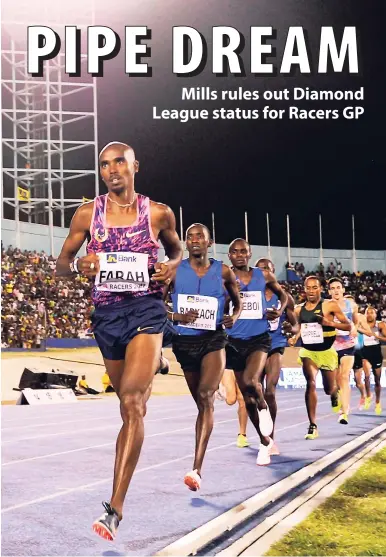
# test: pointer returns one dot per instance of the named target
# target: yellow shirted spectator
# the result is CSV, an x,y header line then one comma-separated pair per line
x,y
107,386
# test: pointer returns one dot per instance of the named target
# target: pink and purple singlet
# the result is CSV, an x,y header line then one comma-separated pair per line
x,y
112,244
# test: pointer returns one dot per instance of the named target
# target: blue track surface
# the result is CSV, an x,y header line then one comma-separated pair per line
x,y
58,462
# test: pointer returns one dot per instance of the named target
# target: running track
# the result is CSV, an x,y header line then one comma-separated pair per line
x,y
57,466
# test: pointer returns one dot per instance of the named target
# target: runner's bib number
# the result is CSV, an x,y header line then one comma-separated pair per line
x,y
311,333
207,308
251,305
123,272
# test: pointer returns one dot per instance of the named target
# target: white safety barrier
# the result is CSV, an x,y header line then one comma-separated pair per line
x,y
293,378
46,396
202,536
273,528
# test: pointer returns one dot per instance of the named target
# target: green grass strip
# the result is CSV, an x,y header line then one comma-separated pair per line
x,y
351,522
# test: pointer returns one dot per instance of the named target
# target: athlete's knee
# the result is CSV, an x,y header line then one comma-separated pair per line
x,y
231,399
240,400
311,384
133,405
254,390
270,389
205,399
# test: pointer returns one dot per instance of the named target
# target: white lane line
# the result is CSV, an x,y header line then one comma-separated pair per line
x,y
29,459
16,440
102,406
152,467
80,415
87,418
112,426
107,403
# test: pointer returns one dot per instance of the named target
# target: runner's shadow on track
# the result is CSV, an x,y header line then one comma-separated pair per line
x,y
198,502
112,554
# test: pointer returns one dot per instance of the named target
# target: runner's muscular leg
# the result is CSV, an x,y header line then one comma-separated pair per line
x,y
272,369
377,379
310,372
212,368
132,387
358,382
249,382
229,382
367,371
242,411
343,380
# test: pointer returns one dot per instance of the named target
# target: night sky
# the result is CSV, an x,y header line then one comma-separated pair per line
x,y
332,167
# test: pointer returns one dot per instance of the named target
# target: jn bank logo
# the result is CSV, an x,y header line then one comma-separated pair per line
x,y
112,258
190,299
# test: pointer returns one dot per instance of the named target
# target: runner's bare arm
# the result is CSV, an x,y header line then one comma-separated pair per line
x,y
382,329
79,227
188,317
273,285
355,318
230,284
331,309
294,326
363,326
166,223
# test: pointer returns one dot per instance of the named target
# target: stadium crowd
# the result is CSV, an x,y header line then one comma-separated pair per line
x,y
35,305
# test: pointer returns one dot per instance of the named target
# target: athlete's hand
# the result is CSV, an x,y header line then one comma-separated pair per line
x,y
286,328
89,265
229,321
163,273
324,321
272,314
292,341
190,316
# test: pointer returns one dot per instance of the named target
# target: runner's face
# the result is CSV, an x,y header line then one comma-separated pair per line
x,y
313,290
117,167
371,315
336,291
266,265
240,254
197,241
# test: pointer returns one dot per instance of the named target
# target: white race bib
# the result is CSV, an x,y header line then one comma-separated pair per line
x,y
311,333
123,272
207,308
370,341
251,305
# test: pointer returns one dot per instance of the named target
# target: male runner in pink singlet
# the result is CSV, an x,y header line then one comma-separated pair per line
x,y
122,228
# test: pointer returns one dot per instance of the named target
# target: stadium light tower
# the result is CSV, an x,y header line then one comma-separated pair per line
x,y
49,139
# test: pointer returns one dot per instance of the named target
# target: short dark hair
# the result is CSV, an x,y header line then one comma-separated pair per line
x,y
335,279
314,277
239,240
198,224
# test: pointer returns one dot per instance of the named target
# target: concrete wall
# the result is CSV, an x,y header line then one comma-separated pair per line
x,y
32,236
36,237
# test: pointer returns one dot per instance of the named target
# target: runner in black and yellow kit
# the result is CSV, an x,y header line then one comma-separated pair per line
x,y
317,331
